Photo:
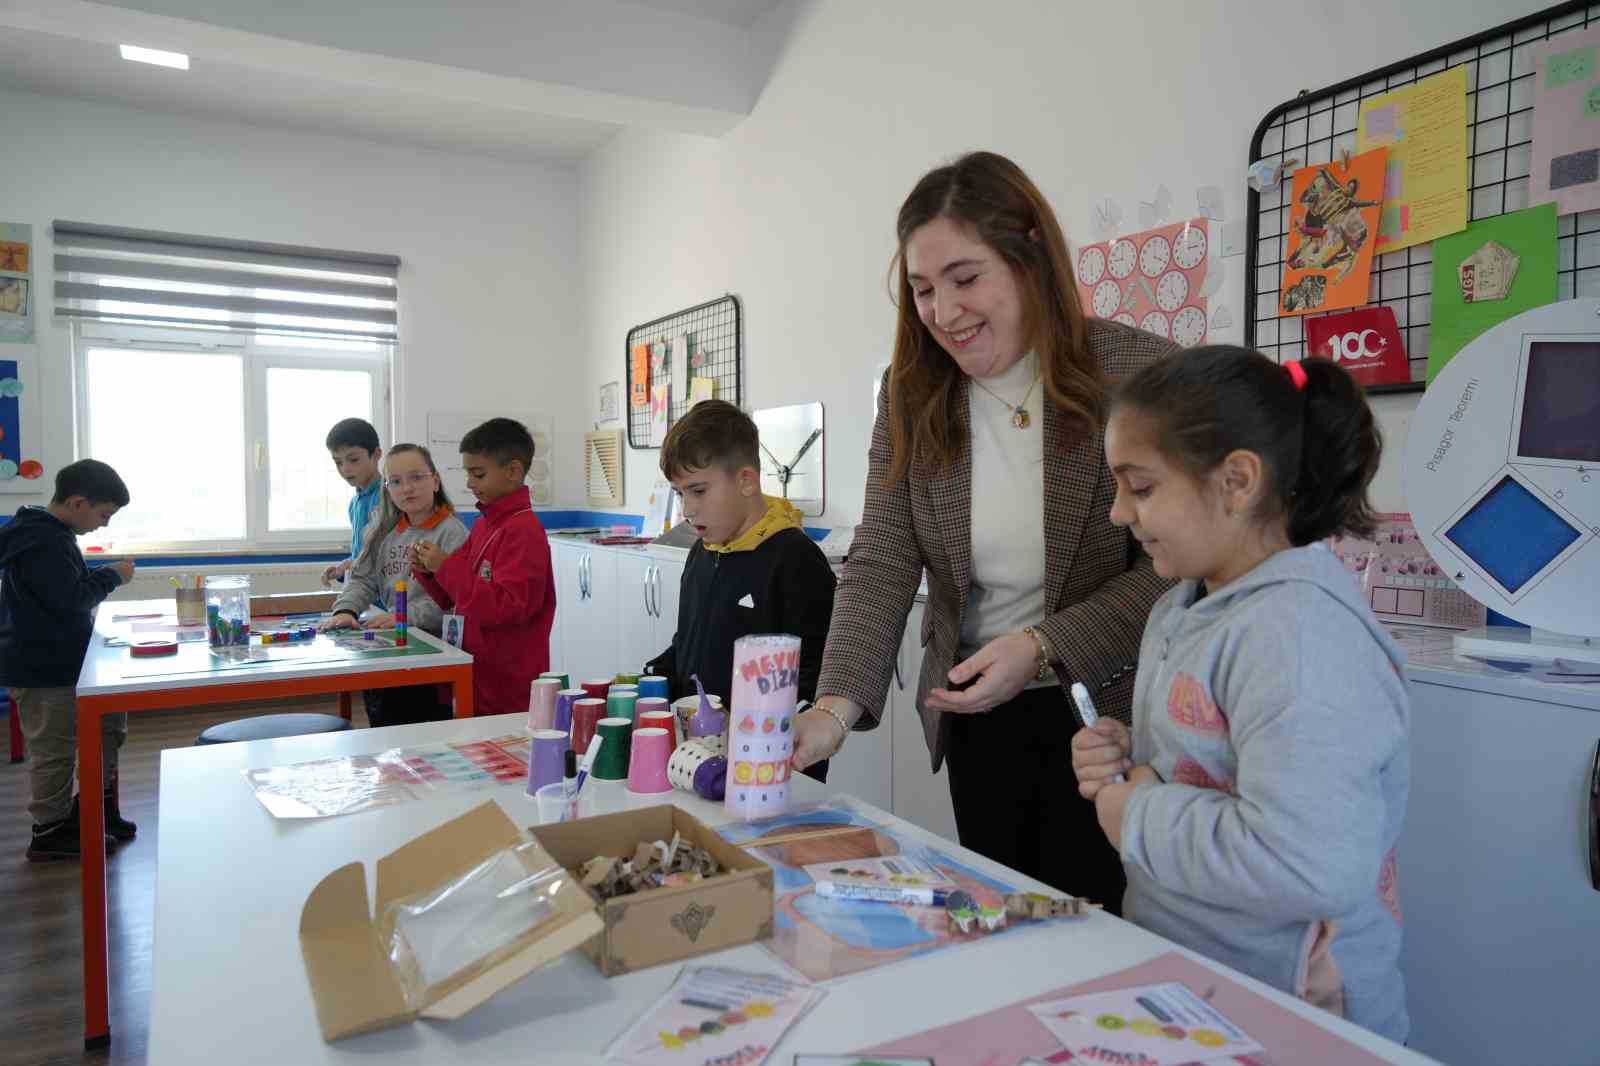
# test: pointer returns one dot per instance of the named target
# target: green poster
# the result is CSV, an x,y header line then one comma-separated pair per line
x,y
1491,271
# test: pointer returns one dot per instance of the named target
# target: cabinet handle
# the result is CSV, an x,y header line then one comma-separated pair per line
x,y
644,587
656,581
583,575
898,680
1594,821
652,578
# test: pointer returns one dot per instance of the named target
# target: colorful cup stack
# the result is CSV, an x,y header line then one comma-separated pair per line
x,y
542,696
564,703
566,682
546,758
586,715
647,762
400,613
611,764
620,703
766,679
652,685
653,712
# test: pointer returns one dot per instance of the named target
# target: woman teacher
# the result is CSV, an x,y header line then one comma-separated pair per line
x,y
987,470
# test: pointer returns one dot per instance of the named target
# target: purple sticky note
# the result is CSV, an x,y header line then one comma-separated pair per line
x,y
1380,122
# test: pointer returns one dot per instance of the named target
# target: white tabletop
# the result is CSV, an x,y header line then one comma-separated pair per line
x,y
108,670
228,982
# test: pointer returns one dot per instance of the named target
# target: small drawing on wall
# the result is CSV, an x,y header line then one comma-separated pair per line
x,y
609,394
20,466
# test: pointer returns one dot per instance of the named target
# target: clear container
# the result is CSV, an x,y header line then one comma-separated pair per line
x,y
228,610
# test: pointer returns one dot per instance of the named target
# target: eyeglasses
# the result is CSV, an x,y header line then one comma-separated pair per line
x,y
409,479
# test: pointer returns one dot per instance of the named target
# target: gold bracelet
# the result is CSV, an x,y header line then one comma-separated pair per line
x,y
1044,653
837,717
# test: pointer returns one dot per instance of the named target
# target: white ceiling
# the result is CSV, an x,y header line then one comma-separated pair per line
x,y
543,80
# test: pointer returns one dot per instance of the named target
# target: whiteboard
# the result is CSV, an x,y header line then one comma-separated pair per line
x,y
445,430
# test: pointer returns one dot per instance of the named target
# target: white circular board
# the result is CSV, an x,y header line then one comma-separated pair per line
x,y
1502,468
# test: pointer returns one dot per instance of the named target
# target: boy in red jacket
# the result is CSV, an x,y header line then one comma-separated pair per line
x,y
500,579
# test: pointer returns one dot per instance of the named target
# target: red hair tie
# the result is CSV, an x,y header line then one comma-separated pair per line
x,y
1297,374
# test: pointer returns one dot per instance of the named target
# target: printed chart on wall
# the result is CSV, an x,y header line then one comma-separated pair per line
x,y
1167,1011
825,938
1424,127
1566,123
1332,219
21,465
445,430
1400,580
1154,280
324,788
16,283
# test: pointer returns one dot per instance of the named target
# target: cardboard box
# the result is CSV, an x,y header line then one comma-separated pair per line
x,y
343,940
666,924
277,604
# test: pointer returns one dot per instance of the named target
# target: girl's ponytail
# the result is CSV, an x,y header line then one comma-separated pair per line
x,y
1339,450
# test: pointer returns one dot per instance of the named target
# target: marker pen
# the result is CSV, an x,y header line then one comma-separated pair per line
x,y
1089,716
923,897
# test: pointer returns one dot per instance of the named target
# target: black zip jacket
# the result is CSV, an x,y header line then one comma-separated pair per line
x,y
783,585
47,599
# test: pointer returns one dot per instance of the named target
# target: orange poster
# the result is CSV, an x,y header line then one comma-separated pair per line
x,y
1333,226
639,379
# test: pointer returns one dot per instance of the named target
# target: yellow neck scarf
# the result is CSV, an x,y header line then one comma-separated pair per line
x,y
780,515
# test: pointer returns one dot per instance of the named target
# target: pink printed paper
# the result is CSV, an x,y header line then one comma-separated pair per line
x,y
1154,280
1566,123
766,684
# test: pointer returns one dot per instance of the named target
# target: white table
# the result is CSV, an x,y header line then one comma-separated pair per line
x,y
113,682
228,982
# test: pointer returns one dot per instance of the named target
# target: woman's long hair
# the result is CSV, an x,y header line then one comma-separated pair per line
x,y
389,515
996,201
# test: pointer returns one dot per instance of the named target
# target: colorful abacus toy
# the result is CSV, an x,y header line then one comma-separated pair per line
x,y
400,614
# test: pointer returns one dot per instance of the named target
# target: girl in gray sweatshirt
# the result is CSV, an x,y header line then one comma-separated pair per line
x,y
1267,768
414,508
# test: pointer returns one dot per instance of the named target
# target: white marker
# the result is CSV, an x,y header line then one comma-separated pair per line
x,y
1088,715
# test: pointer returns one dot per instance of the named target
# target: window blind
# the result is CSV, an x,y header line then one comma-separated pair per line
x,y
131,276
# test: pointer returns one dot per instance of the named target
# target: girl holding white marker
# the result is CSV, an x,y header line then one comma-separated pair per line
x,y
1267,769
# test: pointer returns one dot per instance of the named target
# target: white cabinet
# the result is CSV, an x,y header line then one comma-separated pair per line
x,y
636,629
1502,922
920,796
560,563
666,583
586,604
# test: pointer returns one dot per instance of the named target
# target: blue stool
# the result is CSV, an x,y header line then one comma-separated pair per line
x,y
272,727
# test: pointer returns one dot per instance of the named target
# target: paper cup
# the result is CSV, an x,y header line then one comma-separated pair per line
x,y
647,765
685,708
542,704
565,679
546,756
611,764
620,704
586,715
653,685
627,679
595,690
653,713
564,701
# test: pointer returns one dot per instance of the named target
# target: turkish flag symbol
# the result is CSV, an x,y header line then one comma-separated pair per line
x,y
1365,342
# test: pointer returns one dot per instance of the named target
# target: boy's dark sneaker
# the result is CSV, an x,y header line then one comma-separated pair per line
x,y
57,841
118,827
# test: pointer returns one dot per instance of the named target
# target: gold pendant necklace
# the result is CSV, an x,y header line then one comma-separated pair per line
x,y
1020,419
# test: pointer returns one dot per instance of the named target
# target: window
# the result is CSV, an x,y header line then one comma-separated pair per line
x,y
220,437
209,371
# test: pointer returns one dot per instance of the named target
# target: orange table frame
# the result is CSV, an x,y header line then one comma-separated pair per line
x,y
96,962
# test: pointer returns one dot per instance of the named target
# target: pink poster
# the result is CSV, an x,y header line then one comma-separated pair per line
x,y
1014,1034
1566,123
1154,281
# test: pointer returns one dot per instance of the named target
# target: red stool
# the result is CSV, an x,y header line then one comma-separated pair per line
x,y
19,747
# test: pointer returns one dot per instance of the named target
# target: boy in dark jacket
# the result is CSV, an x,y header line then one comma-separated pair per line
x,y
47,601
754,569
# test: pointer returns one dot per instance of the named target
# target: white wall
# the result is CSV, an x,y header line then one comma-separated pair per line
x,y
488,317
794,210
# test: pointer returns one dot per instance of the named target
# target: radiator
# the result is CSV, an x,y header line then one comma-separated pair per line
x,y
155,582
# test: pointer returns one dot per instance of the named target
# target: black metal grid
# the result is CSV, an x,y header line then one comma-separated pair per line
x,y
715,327
1317,127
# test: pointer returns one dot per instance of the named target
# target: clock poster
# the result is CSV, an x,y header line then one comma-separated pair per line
x,y
1333,229
1152,281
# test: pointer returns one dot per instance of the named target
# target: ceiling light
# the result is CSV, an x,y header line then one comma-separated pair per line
x,y
176,60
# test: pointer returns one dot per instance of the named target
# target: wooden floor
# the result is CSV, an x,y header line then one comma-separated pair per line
x,y
41,982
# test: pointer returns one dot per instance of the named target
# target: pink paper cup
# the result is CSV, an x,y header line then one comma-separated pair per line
x,y
586,715
542,704
647,764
